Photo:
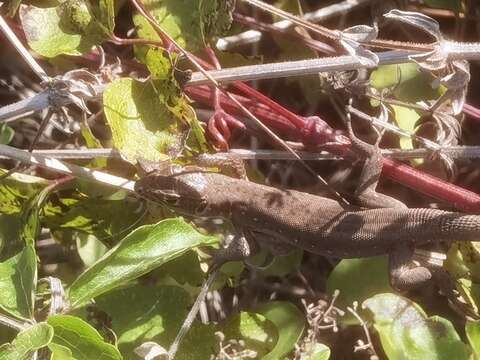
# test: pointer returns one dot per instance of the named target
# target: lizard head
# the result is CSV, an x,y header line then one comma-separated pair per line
x,y
181,192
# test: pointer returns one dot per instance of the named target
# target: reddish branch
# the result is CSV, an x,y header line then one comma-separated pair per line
x,y
314,132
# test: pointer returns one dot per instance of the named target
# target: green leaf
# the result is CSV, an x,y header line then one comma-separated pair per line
x,y
406,119
18,211
107,14
6,134
18,277
357,280
406,81
92,143
107,220
463,262
185,269
407,333
472,329
47,34
143,250
141,313
192,23
10,243
145,122
258,333
90,249
316,351
31,216
215,18
60,352
454,5
16,190
27,342
82,340
290,323
389,76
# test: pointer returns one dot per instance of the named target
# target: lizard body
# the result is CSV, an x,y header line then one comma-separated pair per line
x,y
281,220
310,222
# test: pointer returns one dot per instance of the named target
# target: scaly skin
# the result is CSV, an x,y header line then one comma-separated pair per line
x,y
313,223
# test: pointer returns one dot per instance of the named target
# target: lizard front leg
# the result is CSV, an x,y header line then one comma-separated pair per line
x,y
239,248
366,191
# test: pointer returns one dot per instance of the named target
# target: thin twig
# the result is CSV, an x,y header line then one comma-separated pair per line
x,y
295,68
395,129
65,168
253,36
455,152
10,35
13,323
187,323
363,324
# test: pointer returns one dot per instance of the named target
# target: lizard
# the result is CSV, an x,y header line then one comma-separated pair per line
x,y
281,220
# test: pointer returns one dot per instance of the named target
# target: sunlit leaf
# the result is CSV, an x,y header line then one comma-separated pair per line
x,y
27,342
406,332
405,81
406,119
92,143
90,249
18,277
143,250
6,134
107,220
259,334
82,341
290,322
16,190
463,262
48,32
191,23
146,313
143,124
472,329
316,351
357,280
107,14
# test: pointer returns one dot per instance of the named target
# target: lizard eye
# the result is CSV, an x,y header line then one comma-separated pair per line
x,y
169,200
200,209
169,197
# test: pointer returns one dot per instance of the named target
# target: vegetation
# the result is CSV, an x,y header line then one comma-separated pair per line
x,y
89,270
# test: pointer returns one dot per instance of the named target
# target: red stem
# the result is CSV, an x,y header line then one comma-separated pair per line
x,y
279,118
425,183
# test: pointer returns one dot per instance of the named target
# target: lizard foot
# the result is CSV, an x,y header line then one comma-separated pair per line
x,y
238,249
404,273
406,279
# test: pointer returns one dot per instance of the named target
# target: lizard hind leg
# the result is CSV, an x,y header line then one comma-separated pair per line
x,y
404,273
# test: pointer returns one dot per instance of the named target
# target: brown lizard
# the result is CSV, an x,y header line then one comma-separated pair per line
x,y
281,220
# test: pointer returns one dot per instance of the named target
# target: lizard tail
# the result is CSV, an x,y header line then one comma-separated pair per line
x,y
463,227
